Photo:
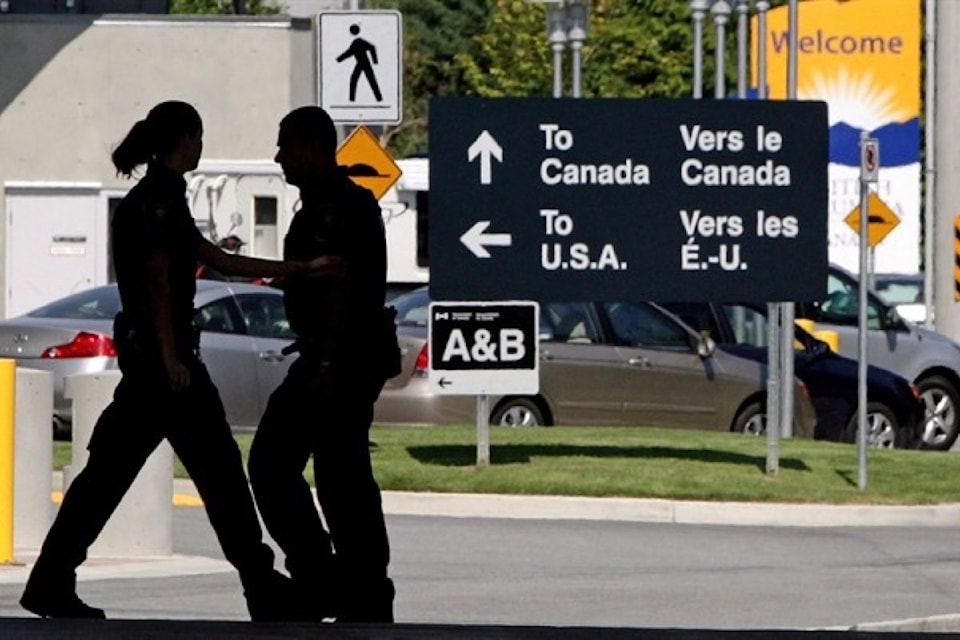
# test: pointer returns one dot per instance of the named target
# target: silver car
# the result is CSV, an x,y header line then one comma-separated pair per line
x,y
928,359
601,364
244,327
903,291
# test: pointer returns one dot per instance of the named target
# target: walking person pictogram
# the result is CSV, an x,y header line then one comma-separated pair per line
x,y
365,55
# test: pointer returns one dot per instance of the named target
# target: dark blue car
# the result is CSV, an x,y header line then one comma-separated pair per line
x,y
895,413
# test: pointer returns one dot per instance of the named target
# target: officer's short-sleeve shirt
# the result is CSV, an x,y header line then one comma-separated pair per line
x,y
338,218
154,217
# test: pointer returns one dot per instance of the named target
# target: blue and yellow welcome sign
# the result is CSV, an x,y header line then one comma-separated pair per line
x,y
862,57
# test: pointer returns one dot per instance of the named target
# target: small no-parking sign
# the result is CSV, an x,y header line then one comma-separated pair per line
x,y
870,159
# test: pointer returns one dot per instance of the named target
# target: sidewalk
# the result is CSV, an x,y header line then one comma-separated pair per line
x,y
558,507
667,511
460,505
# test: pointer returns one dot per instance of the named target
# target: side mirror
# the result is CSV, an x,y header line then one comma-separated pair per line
x,y
706,346
891,319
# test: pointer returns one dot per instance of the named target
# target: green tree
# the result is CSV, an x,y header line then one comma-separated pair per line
x,y
434,32
637,49
634,48
224,7
513,57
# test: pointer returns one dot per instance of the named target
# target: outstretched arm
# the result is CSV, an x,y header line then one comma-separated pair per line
x,y
210,254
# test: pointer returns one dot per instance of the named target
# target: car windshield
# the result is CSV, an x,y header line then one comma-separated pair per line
x,y
100,303
842,304
905,291
412,308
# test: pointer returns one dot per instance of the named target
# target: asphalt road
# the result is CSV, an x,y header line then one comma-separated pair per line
x,y
575,573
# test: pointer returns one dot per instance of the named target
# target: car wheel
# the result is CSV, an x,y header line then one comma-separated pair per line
x,y
882,427
940,401
517,412
752,420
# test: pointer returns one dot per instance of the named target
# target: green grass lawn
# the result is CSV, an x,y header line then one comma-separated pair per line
x,y
646,462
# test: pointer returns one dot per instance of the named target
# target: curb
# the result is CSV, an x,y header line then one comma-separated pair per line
x,y
947,623
667,511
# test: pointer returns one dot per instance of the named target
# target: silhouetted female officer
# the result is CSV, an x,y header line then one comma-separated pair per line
x,y
165,390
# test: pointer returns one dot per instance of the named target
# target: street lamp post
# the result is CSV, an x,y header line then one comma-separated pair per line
x,y
721,15
698,12
557,36
577,24
762,7
743,8
566,22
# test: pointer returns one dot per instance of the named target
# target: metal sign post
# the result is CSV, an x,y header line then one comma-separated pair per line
x,y
483,431
869,168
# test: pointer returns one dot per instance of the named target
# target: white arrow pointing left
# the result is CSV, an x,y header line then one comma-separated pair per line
x,y
486,147
477,241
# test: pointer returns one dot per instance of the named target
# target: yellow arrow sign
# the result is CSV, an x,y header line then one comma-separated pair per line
x,y
371,166
881,219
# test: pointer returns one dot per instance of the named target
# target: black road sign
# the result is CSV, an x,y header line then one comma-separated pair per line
x,y
671,200
484,348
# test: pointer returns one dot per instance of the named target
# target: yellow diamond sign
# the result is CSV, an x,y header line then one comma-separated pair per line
x,y
369,164
881,219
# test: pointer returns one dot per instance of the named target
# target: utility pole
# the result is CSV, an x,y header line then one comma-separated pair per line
x,y
947,162
930,160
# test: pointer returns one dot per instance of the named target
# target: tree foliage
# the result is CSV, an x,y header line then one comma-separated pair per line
x,y
224,7
641,48
435,32
499,48
513,57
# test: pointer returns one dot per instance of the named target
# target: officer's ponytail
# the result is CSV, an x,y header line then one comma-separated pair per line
x,y
156,136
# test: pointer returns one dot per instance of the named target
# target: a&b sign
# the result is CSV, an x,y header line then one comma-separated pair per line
x,y
480,348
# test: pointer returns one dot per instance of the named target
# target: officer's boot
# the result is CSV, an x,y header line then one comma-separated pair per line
x,y
368,601
315,584
270,596
52,594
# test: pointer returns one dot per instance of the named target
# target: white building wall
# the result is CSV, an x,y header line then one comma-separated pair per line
x,y
71,86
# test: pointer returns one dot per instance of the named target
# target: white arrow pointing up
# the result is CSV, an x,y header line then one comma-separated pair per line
x,y
477,241
486,147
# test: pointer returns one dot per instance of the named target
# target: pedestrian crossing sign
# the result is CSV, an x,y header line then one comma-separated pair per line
x,y
360,62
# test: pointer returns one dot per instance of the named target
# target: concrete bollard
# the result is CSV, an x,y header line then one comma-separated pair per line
x,y
33,458
143,523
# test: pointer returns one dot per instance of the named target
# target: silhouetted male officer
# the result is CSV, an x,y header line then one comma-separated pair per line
x,y
324,407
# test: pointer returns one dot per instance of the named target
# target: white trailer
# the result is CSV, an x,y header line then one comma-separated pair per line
x,y
251,201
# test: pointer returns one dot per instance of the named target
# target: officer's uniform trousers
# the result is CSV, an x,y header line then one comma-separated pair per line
x,y
331,422
143,412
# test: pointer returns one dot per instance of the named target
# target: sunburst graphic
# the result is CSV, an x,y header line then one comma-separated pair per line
x,y
857,99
